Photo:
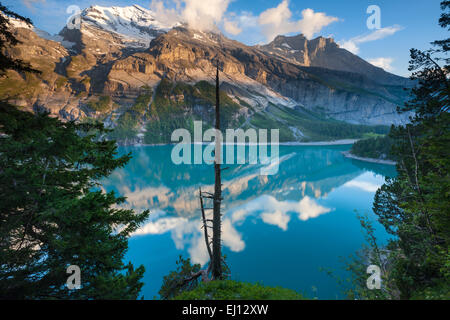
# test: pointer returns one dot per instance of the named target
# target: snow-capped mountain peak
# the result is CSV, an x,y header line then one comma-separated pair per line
x,y
135,25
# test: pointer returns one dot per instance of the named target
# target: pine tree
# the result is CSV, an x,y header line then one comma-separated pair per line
x,y
415,206
53,213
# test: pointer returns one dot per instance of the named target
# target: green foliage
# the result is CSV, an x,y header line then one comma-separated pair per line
x,y
175,282
163,106
355,287
182,280
126,127
142,103
234,290
314,126
370,135
177,105
166,112
415,206
159,131
376,148
339,130
119,286
101,104
53,213
266,122
206,94
174,107
13,86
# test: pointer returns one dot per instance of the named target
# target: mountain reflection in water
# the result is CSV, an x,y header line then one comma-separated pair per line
x,y
277,229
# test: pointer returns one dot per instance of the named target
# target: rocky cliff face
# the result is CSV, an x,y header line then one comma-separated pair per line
x,y
122,53
325,53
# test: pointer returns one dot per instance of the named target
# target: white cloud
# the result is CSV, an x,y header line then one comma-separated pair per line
x,y
276,21
384,63
352,45
313,22
349,45
277,218
232,27
275,212
234,24
198,14
231,237
197,250
247,20
160,226
207,16
150,197
278,16
188,232
166,14
204,15
363,185
308,209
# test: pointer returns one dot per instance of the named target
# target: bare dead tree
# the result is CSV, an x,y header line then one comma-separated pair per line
x,y
217,217
214,252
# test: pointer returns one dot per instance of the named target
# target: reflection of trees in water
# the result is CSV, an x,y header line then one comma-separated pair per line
x,y
379,169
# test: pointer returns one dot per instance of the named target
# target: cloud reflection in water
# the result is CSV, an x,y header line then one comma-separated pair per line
x,y
171,192
188,233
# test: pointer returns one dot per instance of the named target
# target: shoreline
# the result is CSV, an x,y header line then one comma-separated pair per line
x,y
294,143
342,142
348,155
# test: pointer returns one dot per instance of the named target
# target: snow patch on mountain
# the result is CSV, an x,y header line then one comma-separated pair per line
x,y
136,26
15,23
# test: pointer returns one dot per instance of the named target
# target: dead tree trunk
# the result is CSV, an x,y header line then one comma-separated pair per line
x,y
214,252
205,225
216,241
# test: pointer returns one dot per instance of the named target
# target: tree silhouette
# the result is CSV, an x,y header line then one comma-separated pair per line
x,y
8,40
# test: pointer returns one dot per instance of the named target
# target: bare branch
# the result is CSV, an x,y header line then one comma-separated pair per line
x,y
205,227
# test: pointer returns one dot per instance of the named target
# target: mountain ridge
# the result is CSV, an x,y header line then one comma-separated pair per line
x,y
326,53
100,59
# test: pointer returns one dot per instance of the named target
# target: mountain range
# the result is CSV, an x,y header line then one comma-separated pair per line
x,y
144,78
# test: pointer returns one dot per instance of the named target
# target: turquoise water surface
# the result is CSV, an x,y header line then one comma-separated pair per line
x,y
279,230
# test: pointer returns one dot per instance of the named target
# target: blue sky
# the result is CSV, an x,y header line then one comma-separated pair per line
x,y
404,24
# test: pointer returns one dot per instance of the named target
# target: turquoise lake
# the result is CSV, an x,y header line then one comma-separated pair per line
x,y
279,230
